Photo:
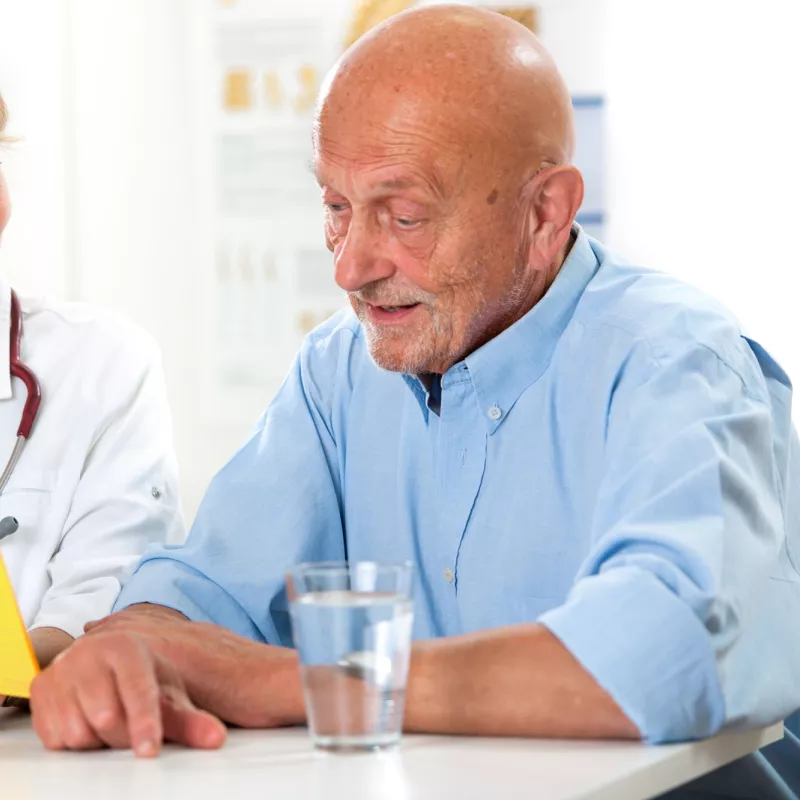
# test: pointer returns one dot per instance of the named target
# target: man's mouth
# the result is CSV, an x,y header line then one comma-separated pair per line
x,y
392,309
389,313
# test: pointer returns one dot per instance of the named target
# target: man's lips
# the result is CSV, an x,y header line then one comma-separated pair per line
x,y
390,314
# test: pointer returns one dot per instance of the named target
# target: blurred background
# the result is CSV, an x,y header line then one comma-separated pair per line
x,y
162,169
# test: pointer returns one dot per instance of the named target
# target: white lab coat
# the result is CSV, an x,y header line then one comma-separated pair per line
x,y
97,481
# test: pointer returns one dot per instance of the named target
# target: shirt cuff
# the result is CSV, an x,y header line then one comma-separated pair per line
x,y
172,584
70,613
64,622
647,649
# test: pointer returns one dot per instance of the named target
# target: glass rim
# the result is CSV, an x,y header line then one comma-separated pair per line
x,y
332,567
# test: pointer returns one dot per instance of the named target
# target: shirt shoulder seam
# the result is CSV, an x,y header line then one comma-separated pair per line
x,y
659,360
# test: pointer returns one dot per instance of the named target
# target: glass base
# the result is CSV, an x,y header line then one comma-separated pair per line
x,y
356,744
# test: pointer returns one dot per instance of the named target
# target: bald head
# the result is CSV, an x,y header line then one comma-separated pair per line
x,y
442,145
477,74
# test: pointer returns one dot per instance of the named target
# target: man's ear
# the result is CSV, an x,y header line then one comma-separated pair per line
x,y
553,197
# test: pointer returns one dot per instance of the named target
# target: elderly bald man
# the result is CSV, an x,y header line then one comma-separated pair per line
x,y
587,461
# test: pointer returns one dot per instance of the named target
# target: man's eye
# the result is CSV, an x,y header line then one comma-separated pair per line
x,y
404,222
337,208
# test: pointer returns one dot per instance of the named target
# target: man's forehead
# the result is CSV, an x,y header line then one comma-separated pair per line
x,y
388,125
381,175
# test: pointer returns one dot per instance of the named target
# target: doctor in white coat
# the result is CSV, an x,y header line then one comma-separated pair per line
x,y
96,481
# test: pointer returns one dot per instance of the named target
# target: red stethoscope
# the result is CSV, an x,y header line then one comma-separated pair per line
x,y
32,402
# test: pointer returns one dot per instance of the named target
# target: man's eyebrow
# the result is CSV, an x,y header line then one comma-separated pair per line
x,y
397,183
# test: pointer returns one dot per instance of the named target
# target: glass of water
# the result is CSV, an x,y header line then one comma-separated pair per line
x,y
352,629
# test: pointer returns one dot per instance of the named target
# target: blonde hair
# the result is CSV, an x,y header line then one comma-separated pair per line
x,y
3,119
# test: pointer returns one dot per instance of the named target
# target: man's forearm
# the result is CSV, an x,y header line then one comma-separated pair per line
x,y
515,681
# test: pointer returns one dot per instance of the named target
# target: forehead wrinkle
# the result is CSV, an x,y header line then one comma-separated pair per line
x,y
459,145
412,164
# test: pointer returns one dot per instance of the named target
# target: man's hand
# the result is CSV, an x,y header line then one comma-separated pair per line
x,y
114,690
141,676
243,682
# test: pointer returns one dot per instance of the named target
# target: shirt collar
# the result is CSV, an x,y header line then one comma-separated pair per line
x,y
505,366
5,340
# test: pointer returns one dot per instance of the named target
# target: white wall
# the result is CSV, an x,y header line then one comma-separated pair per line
x,y
704,152
575,31
138,246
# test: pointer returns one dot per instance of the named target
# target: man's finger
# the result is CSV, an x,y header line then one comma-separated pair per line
x,y
74,730
103,708
44,715
184,723
138,691
187,725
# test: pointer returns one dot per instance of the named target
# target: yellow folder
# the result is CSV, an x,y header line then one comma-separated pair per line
x,y
18,665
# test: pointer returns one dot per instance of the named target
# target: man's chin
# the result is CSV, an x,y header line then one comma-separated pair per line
x,y
393,364
396,360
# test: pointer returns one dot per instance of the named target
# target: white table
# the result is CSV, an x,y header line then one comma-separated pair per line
x,y
277,764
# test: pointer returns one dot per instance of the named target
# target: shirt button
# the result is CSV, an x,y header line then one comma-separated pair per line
x,y
448,575
155,492
494,412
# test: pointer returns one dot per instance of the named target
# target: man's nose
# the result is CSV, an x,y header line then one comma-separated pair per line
x,y
361,257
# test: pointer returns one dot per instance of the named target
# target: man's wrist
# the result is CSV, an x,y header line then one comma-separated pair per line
x,y
281,668
154,609
138,611
422,702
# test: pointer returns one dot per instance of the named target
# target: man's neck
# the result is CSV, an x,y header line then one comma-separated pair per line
x,y
528,301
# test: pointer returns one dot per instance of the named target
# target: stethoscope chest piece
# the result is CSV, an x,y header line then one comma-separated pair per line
x,y
8,525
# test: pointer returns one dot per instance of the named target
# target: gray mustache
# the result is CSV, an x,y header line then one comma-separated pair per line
x,y
376,299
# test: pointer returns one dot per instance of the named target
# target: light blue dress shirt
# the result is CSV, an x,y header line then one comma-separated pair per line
x,y
615,465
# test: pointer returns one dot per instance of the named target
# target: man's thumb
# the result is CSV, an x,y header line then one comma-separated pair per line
x,y
187,725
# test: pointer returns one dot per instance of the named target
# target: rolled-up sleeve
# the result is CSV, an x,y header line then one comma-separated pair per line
x,y
688,525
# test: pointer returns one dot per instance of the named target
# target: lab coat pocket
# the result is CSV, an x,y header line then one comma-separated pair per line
x,y
26,482
26,498
28,550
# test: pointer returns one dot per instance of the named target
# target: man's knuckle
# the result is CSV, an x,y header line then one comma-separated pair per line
x,y
78,737
105,720
142,695
52,742
43,729
84,741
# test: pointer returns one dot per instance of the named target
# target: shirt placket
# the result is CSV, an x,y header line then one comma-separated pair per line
x,y
461,464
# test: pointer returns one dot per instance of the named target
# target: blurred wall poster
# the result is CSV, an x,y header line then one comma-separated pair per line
x,y
273,274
